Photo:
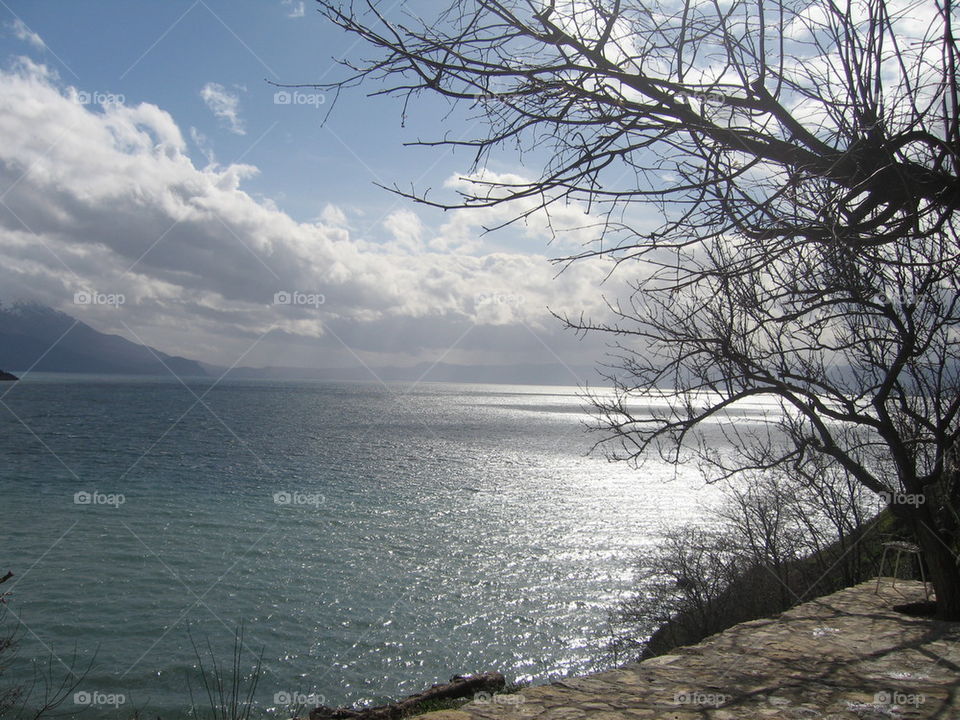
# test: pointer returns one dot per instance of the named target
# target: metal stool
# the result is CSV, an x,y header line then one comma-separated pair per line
x,y
900,547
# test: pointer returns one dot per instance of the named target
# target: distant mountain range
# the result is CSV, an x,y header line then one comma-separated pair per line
x,y
526,374
46,340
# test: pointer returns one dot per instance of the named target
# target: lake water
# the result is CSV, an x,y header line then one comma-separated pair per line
x,y
373,540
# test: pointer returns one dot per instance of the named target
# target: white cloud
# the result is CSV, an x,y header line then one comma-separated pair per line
x,y
108,199
200,141
224,105
406,229
24,33
297,8
332,215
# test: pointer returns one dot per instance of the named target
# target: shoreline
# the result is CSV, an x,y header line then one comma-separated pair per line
x,y
842,655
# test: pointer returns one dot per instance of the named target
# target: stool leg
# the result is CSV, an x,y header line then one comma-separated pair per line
x,y
923,577
896,569
883,559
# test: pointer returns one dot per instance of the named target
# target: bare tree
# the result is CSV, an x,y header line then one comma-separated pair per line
x,y
803,161
780,539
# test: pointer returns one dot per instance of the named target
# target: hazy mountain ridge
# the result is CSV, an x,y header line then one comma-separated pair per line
x,y
527,374
47,340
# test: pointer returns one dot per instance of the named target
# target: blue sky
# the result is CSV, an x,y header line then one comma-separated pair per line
x,y
144,156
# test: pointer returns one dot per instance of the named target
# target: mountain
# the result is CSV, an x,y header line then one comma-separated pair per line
x,y
524,374
46,340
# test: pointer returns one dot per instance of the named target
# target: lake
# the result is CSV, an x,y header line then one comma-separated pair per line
x,y
371,539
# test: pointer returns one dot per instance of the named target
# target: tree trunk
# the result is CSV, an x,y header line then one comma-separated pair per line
x,y
943,569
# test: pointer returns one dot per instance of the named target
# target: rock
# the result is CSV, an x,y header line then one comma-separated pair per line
x,y
459,686
7,377
445,715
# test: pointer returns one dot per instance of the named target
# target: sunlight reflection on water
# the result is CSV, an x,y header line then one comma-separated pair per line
x,y
452,529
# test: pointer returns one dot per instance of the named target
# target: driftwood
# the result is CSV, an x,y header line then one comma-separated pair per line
x,y
458,687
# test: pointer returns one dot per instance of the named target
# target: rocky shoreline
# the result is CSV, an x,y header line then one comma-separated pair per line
x,y
845,655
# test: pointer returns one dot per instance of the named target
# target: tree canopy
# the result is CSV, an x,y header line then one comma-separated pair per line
x,y
802,158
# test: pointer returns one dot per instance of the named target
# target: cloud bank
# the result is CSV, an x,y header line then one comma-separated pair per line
x,y
107,199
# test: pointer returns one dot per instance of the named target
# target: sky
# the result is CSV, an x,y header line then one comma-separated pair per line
x,y
156,185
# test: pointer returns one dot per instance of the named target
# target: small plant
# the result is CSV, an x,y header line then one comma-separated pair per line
x,y
50,686
227,697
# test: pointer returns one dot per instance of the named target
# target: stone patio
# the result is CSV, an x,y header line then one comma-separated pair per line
x,y
846,655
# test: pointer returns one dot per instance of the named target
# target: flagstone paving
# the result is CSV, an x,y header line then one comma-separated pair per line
x,y
846,655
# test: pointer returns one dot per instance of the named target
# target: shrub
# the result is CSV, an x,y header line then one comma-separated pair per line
x,y
777,541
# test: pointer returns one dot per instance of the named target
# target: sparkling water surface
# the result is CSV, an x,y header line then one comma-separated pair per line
x,y
372,539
